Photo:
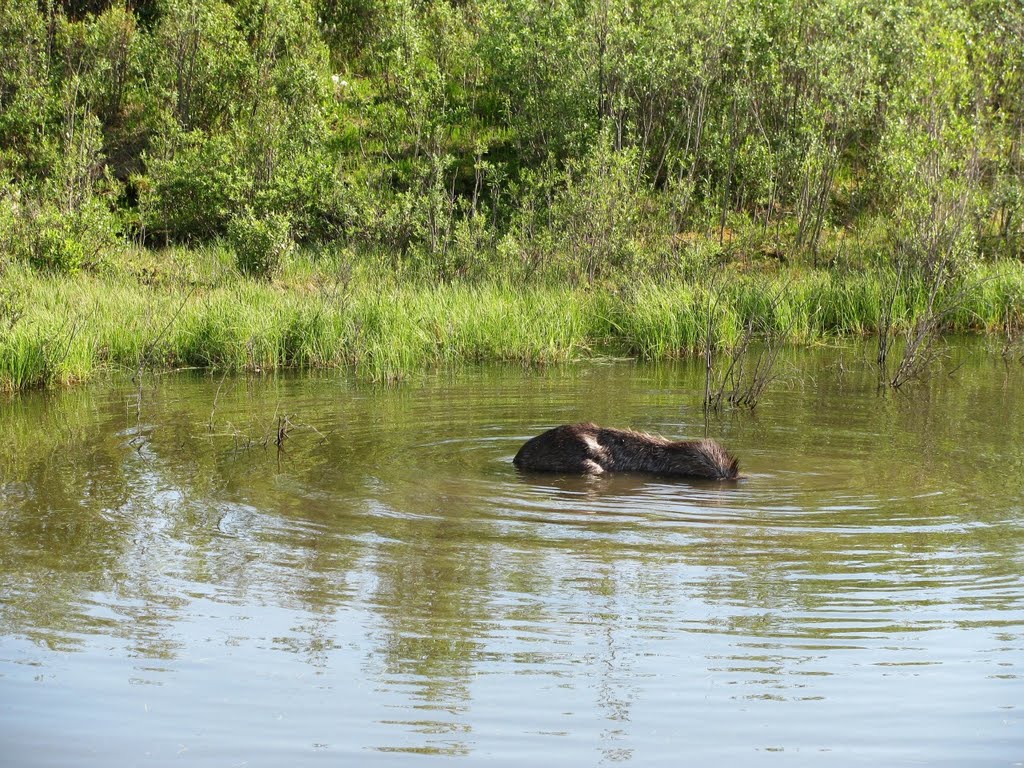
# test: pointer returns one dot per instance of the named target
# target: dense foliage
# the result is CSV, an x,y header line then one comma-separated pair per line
x,y
583,138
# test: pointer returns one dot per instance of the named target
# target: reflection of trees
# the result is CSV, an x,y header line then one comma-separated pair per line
x,y
614,694
432,596
109,510
116,521
62,490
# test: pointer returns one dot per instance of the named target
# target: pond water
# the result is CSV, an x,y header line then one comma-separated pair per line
x,y
385,587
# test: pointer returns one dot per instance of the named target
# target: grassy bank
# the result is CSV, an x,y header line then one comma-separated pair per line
x,y
321,313
485,160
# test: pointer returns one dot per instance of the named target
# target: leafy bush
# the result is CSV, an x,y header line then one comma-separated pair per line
x,y
260,243
598,217
56,247
188,191
49,238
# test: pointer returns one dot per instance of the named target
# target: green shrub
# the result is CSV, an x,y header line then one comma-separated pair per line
x,y
65,242
191,180
260,243
56,247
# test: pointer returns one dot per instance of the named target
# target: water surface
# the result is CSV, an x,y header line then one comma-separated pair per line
x,y
384,587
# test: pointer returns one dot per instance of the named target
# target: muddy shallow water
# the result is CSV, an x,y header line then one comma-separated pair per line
x,y
386,587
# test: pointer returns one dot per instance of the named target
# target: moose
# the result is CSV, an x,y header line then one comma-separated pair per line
x,y
592,450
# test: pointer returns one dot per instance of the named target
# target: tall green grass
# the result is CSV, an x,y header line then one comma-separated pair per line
x,y
70,328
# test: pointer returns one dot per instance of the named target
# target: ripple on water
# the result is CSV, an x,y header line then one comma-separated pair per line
x,y
386,585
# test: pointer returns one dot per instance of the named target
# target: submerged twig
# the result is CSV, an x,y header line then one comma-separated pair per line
x,y
735,387
283,428
148,351
216,397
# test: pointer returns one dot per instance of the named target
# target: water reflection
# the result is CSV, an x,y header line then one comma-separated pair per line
x,y
385,582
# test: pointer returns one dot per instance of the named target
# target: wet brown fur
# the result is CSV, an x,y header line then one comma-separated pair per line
x,y
593,450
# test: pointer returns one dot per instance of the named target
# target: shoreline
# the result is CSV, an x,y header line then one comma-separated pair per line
x,y
58,330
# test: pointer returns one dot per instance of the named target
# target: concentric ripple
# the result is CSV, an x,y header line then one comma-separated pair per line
x,y
262,571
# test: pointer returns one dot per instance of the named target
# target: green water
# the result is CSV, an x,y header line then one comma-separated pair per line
x,y
384,588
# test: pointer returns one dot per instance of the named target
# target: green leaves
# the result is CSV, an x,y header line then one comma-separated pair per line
x,y
260,243
432,129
